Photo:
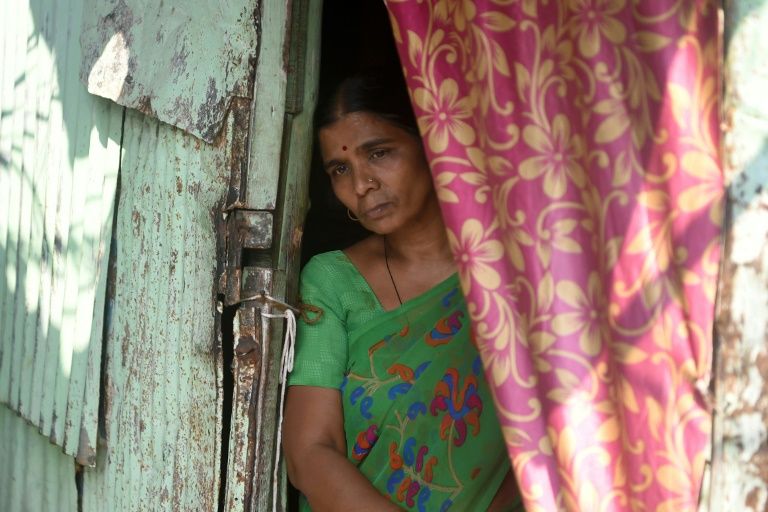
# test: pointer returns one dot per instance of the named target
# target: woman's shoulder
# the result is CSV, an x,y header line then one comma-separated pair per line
x,y
331,280
328,267
363,253
325,260
347,261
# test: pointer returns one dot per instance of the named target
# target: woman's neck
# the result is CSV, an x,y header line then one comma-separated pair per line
x,y
424,241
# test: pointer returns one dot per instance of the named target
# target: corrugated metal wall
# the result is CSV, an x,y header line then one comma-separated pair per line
x,y
42,477
59,156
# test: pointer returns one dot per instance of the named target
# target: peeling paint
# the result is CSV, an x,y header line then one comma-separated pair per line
x,y
177,61
161,410
739,478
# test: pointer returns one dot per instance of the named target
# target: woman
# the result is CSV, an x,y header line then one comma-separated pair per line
x,y
388,408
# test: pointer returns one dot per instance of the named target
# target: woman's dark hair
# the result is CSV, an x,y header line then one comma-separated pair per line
x,y
379,92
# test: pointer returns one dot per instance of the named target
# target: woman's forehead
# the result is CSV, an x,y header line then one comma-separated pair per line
x,y
355,128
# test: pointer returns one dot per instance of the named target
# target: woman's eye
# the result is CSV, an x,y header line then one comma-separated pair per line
x,y
339,170
378,153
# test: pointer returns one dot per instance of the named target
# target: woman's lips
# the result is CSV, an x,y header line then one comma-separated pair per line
x,y
377,211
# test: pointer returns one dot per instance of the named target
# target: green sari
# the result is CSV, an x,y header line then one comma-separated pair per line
x,y
418,415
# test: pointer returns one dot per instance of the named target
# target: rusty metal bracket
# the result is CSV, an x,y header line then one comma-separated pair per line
x,y
256,371
245,230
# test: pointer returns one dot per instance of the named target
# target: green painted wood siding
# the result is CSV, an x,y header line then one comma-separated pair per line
x,y
163,364
59,156
268,117
179,61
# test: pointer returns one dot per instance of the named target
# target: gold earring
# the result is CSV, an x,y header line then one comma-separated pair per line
x,y
352,217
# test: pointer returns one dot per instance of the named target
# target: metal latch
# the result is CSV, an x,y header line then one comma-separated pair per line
x,y
246,230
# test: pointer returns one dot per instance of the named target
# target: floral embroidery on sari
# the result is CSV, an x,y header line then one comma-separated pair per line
x,y
413,401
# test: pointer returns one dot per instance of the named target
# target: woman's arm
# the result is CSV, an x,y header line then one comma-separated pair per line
x,y
315,452
506,496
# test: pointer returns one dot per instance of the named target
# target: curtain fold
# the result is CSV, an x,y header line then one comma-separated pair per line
x,y
574,147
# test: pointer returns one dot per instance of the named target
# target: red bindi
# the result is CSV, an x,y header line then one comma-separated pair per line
x,y
344,148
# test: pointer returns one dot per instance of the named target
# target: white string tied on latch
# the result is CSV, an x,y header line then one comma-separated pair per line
x,y
286,366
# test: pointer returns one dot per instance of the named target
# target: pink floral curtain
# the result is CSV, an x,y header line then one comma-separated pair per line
x,y
574,146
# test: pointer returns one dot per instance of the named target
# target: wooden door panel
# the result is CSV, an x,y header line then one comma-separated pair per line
x,y
275,183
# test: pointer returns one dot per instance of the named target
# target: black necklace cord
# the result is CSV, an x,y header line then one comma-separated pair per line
x,y
386,262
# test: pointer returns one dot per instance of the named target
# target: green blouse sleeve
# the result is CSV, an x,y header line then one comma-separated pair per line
x,y
321,347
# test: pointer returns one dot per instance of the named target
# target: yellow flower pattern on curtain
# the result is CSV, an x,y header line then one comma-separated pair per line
x,y
574,147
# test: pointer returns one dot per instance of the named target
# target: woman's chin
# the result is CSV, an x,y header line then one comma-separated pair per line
x,y
379,224
377,229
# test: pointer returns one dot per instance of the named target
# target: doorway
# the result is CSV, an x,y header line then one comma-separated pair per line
x,y
356,35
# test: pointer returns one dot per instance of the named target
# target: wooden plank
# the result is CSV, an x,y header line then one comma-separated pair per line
x,y
8,39
97,208
297,163
57,224
30,236
248,362
267,116
290,219
68,342
55,387
160,410
57,163
17,226
48,163
93,371
12,351
258,340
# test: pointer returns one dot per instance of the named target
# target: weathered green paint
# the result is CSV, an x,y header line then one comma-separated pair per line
x,y
740,440
180,61
161,414
290,215
59,155
37,476
267,117
295,201
248,365
160,433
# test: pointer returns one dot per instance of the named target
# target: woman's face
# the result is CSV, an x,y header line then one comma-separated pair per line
x,y
378,171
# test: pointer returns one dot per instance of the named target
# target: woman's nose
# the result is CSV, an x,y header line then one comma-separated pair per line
x,y
364,182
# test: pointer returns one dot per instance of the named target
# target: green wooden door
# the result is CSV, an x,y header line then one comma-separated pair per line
x,y
183,70
268,203
192,363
